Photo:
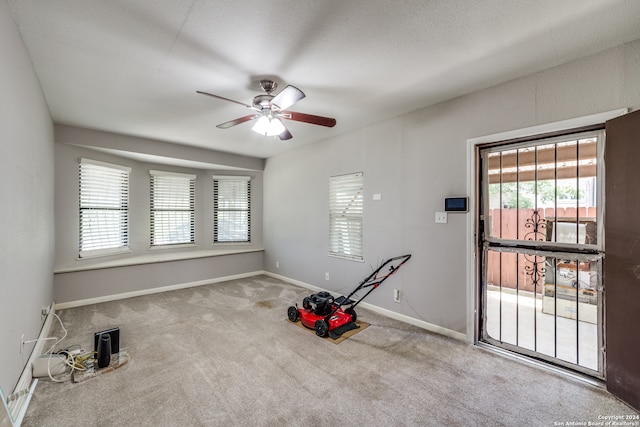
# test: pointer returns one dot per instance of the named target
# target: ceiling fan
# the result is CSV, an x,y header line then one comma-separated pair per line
x,y
271,109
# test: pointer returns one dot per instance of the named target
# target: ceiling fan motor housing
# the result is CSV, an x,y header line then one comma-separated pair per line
x,y
262,102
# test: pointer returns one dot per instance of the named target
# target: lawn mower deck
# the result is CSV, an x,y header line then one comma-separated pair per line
x,y
333,317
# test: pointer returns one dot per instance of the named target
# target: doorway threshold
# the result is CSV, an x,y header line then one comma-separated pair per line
x,y
584,378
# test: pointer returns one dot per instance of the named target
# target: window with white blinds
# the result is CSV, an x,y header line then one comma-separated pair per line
x,y
104,208
172,208
231,209
346,210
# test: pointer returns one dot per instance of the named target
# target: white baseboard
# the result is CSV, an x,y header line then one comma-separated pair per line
x,y
416,322
5,414
125,295
18,400
383,311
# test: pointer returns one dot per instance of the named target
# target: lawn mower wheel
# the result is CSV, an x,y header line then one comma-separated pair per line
x,y
293,314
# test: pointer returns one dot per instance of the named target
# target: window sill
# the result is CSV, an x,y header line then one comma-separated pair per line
x,y
154,258
346,257
103,252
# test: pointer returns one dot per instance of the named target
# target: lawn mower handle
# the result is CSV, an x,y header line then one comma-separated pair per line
x,y
372,281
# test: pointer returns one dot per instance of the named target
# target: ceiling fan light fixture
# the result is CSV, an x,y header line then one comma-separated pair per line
x,y
268,126
270,111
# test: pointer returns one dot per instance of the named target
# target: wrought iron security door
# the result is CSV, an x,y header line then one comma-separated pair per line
x,y
542,250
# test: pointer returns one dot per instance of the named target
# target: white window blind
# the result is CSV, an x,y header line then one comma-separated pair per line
x,y
231,209
172,208
104,208
346,210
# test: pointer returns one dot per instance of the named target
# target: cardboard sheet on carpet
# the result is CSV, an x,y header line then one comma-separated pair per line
x,y
363,326
117,360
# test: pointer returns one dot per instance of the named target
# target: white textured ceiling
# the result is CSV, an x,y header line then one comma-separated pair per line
x,y
133,66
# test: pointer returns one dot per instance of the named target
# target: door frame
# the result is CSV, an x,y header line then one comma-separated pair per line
x,y
474,192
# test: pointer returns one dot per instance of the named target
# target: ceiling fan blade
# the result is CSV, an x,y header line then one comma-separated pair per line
x,y
287,97
285,135
310,118
225,99
227,125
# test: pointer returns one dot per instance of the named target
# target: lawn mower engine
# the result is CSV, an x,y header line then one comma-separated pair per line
x,y
320,303
319,312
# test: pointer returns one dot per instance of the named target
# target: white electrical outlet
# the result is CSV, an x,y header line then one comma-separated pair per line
x,y
277,264
21,343
441,217
326,276
396,295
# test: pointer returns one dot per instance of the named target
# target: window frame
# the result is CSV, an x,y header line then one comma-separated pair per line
x,y
346,216
239,206
153,210
87,167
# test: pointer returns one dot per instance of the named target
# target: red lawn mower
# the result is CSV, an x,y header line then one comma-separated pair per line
x,y
327,316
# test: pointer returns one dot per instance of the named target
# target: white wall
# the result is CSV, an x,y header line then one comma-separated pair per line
x,y
414,162
26,217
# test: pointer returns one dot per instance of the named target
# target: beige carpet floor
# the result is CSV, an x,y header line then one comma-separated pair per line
x,y
225,355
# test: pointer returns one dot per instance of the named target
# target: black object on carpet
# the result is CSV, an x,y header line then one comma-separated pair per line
x,y
337,332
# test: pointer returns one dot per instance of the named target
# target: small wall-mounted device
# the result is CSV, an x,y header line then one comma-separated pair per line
x,y
456,204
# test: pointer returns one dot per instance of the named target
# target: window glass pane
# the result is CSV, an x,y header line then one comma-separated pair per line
x,y
232,226
103,208
232,209
172,227
346,209
172,209
102,229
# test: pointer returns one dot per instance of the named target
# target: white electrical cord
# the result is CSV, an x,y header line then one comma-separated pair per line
x,y
70,359
50,351
39,339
